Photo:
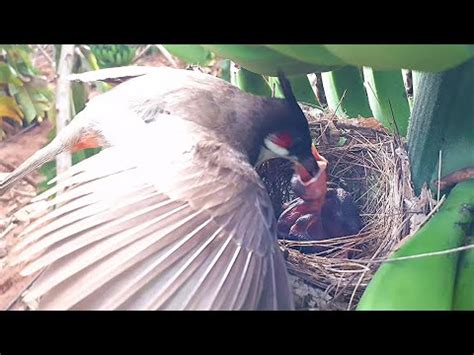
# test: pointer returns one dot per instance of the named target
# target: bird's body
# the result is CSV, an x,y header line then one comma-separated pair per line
x,y
213,103
171,215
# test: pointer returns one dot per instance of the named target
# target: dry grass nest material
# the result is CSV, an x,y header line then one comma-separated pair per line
x,y
372,165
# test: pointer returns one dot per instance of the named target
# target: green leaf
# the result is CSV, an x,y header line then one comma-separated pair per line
x,y
387,98
26,102
416,75
79,97
78,156
304,59
39,97
442,119
13,89
45,93
252,83
425,283
341,141
113,55
225,69
8,75
275,87
91,151
191,54
48,170
266,61
19,58
26,69
301,88
9,108
88,61
432,58
464,286
310,53
345,93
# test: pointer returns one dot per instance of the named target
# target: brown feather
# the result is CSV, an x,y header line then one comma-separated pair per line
x,y
199,235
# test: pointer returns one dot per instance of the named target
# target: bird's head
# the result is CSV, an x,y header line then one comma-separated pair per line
x,y
290,138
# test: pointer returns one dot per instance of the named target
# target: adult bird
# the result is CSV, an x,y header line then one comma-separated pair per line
x,y
171,214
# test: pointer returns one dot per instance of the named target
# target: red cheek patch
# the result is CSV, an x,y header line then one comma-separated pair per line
x,y
283,139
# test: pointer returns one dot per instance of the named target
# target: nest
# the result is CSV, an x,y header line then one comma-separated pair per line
x,y
372,165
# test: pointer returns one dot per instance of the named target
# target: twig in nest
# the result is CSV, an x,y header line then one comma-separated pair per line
x,y
339,104
397,135
355,128
11,167
349,306
339,293
417,256
427,218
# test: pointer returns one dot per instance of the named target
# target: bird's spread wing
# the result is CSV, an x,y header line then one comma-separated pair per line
x,y
153,226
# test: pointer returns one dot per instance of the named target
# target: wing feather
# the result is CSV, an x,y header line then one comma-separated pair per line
x,y
199,235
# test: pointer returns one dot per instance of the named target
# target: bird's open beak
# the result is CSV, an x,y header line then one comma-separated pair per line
x,y
310,183
309,167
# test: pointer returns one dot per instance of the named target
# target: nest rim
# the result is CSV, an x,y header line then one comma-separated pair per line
x,y
359,152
